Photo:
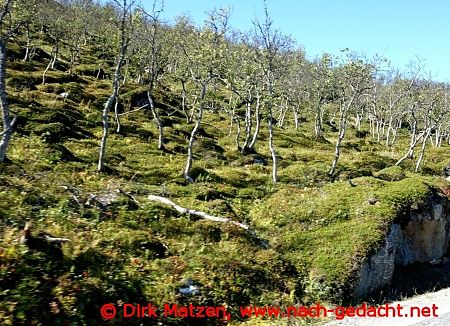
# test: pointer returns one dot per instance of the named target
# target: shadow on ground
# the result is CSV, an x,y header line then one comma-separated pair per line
x,y
417,278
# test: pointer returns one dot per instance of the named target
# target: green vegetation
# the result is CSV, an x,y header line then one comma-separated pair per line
x,y
318,232
392,173
331,229
320,226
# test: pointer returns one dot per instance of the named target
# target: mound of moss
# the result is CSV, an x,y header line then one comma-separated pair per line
x,y
392,173
329,231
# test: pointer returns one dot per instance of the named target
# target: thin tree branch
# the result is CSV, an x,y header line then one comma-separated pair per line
x,y
207,216
10,126
139,108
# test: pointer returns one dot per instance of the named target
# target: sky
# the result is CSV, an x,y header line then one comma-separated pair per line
x,y
399,30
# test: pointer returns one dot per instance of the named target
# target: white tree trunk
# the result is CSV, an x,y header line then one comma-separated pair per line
x,y
258,123
230,129
318,121
207,216
345,107
28,45
238,135
295,112
158,121
6,119
45,71
337,151
105,115
378,130
112,100
187,169
248,127
272,148
410,152
183,102
422,150
116,112
55,54
282,117
388,135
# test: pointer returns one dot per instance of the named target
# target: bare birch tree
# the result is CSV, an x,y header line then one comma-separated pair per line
x,y
269,44
243,79
8,27
321,90
125,20
155,60
354,78
204,55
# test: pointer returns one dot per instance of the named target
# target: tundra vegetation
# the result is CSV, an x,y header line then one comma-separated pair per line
x,y
232,124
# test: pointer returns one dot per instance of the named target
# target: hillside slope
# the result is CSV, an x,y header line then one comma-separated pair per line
x,y
127,249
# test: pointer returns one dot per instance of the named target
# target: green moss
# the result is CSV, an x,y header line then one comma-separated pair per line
x,y
362,164
51,132
51,88
393,173
22,83
333,228
88,70
139,251
306,175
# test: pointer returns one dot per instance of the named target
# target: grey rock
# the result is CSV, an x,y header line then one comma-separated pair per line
x,y
189,288
372,201
423,238
377,271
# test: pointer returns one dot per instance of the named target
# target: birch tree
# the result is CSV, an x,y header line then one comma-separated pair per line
x,y
243,79
180,71
126,7
269,43
388,102
8,27
54,18
354,79
442,115
431,118
155,59
293,85
78,18
321,90
204,53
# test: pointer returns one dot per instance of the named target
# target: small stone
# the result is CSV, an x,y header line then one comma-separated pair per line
x,y
189,288
258,161
372,201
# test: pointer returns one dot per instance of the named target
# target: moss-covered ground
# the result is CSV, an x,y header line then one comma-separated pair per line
x,y
138,251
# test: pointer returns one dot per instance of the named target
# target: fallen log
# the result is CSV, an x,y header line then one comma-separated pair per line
x,y
207,216
42,242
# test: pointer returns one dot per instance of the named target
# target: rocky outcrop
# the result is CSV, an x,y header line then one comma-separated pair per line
x,y
378,269
423,236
